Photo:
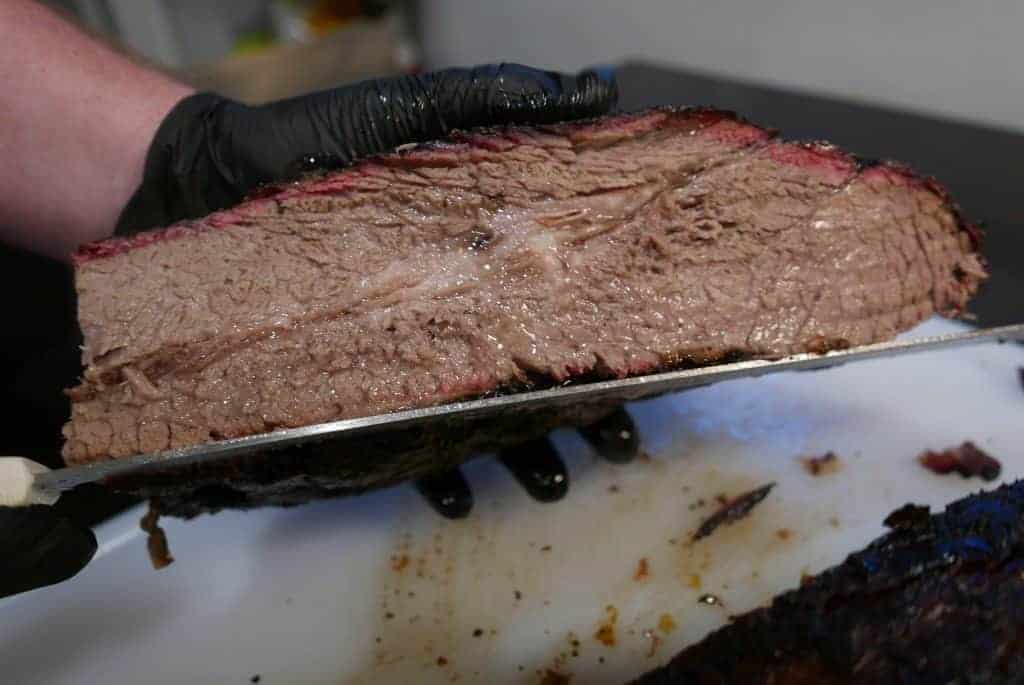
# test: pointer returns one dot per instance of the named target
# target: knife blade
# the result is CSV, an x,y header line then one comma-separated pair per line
x,y
625,389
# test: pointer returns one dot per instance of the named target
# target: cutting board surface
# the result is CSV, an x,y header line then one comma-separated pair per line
x,y
601,586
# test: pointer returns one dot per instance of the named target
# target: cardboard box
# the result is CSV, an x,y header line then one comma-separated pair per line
x,y
362,50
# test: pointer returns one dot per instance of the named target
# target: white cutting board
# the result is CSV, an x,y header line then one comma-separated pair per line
x,y
379,589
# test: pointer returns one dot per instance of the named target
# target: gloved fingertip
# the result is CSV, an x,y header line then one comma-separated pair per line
x,y
604,72
597,90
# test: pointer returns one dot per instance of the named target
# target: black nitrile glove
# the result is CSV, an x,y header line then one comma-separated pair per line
x,y
40,547
210,151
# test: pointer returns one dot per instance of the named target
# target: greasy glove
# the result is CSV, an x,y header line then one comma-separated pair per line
x,y
210,151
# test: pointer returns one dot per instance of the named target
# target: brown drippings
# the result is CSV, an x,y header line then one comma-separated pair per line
x,y
478,632
642,570
555,678
666,623
156,539
822,465
399,562
968,460
783,533
694,581
574,643
732,511
545,548
605,633
517,594
442,662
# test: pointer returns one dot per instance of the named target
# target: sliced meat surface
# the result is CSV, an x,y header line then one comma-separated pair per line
x,y
500,260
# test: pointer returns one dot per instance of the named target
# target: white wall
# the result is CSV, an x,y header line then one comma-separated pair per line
x,y
962,59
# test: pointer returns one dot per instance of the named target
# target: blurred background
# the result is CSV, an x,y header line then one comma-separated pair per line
x,y
258,50
941,57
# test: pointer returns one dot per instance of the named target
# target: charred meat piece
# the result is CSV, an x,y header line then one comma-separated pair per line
x,y
939,599
732,511
500,260
968,460
823,465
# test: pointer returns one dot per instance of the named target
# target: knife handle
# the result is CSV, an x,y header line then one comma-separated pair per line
x,y
19,486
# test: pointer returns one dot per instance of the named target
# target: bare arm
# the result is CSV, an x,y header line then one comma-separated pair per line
x,y
76,120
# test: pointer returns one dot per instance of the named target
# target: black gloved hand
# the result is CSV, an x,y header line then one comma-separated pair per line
x,y
210,151
40,547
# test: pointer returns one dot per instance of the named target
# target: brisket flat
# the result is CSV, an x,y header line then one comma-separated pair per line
x,y
504,259
940,599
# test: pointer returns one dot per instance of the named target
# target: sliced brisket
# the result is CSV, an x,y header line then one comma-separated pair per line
x,y
504,259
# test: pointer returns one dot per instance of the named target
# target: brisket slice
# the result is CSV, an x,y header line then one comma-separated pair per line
x,y
498,260
938,600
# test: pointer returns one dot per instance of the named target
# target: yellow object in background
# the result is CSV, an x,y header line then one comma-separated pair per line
x,y
306,20
253,42
328,15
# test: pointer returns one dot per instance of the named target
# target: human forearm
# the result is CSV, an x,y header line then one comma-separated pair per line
x,y
78,119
